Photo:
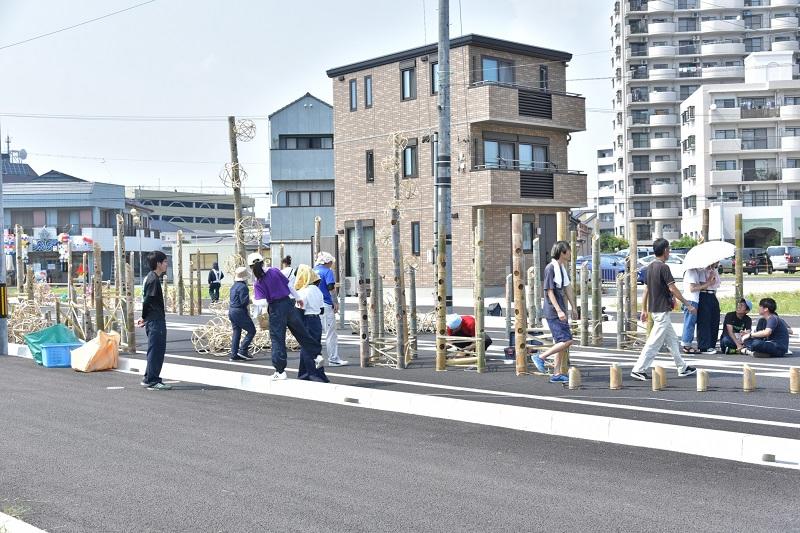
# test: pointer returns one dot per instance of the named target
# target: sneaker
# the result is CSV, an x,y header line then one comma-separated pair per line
x,y
160,386
539,364
559,378
246,356
237,357
278,376
746,351
688,371
641,376
710,351
340,362
318,361
143,383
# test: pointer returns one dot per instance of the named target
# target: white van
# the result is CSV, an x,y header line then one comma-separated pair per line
x,y
786,258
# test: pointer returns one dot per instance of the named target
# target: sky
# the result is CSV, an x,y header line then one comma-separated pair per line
x,y
194,62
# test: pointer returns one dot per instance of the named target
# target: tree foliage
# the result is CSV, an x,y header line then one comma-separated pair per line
x,y
684,242
610,243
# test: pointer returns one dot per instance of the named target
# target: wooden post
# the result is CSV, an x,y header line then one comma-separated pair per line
x,y
441,301
520,322
70,279
748,379
199,274
97,287
633,316
130,306
537,284
374,317
20,264
236,185
317,244
705,228
87,319
480,313
574,378
573,263
342,265
29,284
509,304
597,291
702,380
584,304
412,314
58,311
620,310
530,299
739,258
615,377
362,294
562,228
179,272
191,286
794,380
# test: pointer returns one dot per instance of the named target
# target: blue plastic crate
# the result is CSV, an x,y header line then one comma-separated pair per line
x,y
58,355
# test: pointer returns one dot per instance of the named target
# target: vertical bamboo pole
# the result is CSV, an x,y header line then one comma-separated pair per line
x,y
633,316
380,329
537,284
584,304
530,299
130,305
29,284
573,263
179,272
441,301
20,265
121,254
317,245
480,349
236,185
659,229
191,286
70,280
97,287
87,319
597,291
281,253
630,319
117,278
520,322
620,310
397,260
739,257
58,311
342,264
362,294
562,228
199,274
705,227
164,291
374,316
509,304
412,314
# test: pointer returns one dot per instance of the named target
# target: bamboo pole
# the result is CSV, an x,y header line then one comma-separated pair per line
x,y
630,319
380,329
199,275
480,349
120,251
520,322
509,304
441,301
236,185
191,286
615,377
70,279
87,319
702,380
562,229
537,284
117,277
317,244
342,265
794,380
739,258
29,284
97,287
362,294
179,272
20,265
374,317
530,299
397,266
748,378
281,253
574,378
58,311
620,310
130,305
412,314
634,295
573,262
705,228
584,305
597,291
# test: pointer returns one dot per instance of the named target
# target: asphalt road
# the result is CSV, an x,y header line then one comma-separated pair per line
x,y
82,457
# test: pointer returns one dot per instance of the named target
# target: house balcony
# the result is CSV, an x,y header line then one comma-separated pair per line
x,y
726,177
790,143
551,188
663,97
664,143
662,73
665,189
665,212
722,48
664,166
664,120
661,27
784,23
662,51
782,46
791,112
723,72
725,145
520,106
790,175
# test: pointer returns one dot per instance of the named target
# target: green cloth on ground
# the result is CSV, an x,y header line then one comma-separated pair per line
x,y
58,334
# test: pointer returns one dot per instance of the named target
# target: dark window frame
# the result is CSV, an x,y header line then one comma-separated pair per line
x,y
416,238
511,65
370,166
368,94
353,95
411,145
412,83
434,85
544,78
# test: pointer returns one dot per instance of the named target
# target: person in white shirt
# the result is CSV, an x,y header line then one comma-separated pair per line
x,y
708,312
695,280
310,298
287,270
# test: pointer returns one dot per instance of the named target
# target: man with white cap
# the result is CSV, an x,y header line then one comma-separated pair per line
x,y
464,326
323,268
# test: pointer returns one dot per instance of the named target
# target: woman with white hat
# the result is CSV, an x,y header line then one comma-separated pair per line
x,y
240,320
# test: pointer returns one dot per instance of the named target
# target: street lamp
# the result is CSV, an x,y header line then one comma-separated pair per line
x,y
137,221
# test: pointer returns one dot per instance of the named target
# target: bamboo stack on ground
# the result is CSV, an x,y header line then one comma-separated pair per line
x,y
520,322
441,301
363,320
480,350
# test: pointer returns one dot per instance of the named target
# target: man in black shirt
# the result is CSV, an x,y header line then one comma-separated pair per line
x,y
154,321
736,324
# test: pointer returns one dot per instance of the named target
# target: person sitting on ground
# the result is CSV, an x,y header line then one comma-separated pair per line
x,y
771,340
736,324
464,326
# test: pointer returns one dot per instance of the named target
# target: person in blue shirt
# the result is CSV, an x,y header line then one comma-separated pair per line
x,y
239,316
323,268
771,338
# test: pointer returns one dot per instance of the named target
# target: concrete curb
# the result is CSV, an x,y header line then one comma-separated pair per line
x,y
9,524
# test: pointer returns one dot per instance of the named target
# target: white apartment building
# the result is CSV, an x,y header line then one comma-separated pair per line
x,y
606,182
741,154
664,50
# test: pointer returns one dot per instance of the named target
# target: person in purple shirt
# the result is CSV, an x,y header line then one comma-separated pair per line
x,y
271,285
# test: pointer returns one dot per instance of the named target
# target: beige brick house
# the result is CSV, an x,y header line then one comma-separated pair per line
x,y
511,121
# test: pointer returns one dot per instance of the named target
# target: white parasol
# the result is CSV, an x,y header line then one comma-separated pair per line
x,y
708,253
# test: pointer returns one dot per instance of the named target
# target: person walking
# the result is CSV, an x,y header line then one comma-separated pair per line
x,y
215,276
271,285
154,321
287,270
323,268
557,285
708,312
771,338
736,324
658,300
307,287
239,317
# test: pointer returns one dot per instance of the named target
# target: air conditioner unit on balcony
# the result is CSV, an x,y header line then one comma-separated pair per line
x,y
350,286
744,188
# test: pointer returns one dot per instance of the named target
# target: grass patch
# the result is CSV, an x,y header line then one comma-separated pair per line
x,y
16,511
788,302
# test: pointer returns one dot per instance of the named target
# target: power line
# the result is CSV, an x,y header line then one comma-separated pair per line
x,y
3,47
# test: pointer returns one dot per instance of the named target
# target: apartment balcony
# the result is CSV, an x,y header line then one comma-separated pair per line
x,y
642,214
784,3
664,143
761,174
784,23
689,72
790,143
520,106
662,73
727,26
717,4
759,145
662,51
301,165
664,166
725,145
791,112
726,177
654,6
723,72
670,235
726,114
605,208
550,188
722,48
790,175
665,189
782,46
662,97
661,27
665,212
664,120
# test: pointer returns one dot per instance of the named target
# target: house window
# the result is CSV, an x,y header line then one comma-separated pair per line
x,y
408,84
353,95
527,236
410,160
309,198
544,78
498,154
415,238
497,70
533,157
435,78
370,166
367,92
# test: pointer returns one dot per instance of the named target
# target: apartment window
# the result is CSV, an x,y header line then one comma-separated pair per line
x,y
498,154
688,143
544,78
793,163
791,132
791,100
497,70
723,103
687,24
754,138
724,134
728,164
353,95
638,49
687,90
607,200
415,239
752,22
641,163
367,92
641,140
690,172
370,164
309,198
533,156
318,142
408,83
754,44
435,77
690,202
410,159
640,116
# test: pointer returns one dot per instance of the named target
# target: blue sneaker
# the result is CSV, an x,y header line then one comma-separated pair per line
x,y
559,378
539,364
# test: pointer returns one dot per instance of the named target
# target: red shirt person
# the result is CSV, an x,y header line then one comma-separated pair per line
x,y
464,326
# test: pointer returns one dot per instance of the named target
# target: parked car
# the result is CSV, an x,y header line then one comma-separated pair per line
x,y
726,265
641,251
786,258
757,263
675,264
748,254
610,265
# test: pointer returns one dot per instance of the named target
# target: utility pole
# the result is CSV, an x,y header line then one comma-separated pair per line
x,y
443,167
3,288
236,185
